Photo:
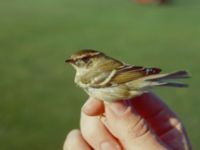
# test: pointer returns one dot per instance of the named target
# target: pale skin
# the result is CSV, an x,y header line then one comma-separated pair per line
x,y
143,123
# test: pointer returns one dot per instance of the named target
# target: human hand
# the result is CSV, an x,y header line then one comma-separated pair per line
x,y
141,123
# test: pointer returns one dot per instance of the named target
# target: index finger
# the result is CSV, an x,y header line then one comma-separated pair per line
x,y
147,105
93,107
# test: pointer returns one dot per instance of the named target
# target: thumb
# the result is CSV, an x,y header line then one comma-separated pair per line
x,y
130,128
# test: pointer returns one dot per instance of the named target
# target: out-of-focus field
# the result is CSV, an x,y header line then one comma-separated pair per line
x,y
39,102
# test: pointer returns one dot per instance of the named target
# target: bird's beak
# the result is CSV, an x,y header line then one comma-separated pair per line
x,y
69,61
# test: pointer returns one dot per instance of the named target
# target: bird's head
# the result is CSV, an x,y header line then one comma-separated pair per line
x,y
85,58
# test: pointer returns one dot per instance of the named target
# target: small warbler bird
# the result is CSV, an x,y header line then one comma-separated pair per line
x,y
109,79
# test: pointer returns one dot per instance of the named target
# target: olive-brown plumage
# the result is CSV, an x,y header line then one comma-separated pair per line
x,y
106,78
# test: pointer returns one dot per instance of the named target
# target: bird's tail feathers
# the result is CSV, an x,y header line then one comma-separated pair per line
x,y
161,80
182,74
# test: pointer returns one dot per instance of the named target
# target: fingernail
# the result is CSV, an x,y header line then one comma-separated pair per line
x,y
88,105
118,108
109,146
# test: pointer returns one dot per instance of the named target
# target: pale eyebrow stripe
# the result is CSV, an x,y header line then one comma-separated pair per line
x,y
88,55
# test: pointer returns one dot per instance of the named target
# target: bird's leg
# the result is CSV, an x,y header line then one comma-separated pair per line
x,y
102,116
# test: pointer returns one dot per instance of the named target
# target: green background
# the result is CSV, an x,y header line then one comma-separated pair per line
x,y
39,103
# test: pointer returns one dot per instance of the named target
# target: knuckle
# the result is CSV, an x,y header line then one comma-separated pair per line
x,y
175,124
139,129
89,133
178,126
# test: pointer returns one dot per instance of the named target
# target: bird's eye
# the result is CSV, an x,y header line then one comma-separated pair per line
x,y
86,59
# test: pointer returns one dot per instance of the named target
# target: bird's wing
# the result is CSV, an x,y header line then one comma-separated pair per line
x,y
117,76
99,81
128,73
100,75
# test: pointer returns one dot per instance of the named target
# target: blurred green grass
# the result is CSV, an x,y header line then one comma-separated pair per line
x,y
39,102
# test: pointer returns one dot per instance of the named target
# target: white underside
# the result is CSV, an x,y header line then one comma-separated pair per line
x,y
110,94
